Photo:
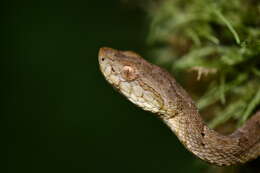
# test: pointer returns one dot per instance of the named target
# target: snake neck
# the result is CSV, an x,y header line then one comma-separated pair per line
x,y
185,121
211,146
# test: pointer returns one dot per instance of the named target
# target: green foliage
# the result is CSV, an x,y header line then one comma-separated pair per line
x,y
220,39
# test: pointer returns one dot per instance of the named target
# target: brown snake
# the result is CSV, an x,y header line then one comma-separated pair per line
x,y
153,89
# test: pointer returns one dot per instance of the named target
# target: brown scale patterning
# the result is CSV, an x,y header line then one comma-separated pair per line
x,y
153,89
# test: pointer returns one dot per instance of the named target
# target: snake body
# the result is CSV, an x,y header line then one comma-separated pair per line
x,y
154,89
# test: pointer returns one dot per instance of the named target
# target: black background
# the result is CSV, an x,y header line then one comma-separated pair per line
x,y
60,113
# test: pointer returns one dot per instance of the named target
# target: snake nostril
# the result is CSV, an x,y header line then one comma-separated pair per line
x,y
102,59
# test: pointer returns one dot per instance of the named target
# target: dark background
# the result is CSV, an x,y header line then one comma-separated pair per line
x,y
60,113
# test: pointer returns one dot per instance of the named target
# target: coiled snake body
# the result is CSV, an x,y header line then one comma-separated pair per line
x,y
153,89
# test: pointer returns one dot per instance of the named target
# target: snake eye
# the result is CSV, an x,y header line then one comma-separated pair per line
x,y
129,73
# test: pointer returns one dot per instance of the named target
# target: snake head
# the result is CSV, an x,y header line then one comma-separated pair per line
x,y
117,66
144,84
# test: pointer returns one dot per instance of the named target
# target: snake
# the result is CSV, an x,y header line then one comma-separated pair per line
x,y
153,89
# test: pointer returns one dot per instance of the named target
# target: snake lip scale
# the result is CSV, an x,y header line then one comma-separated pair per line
x,y
154,89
